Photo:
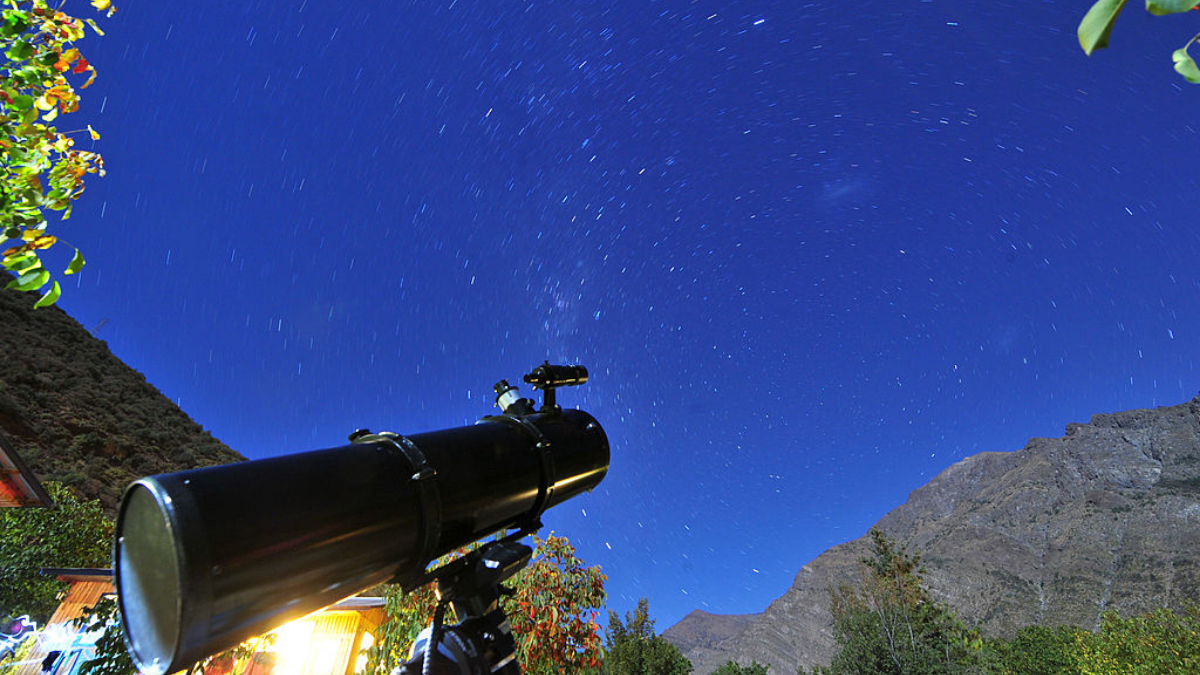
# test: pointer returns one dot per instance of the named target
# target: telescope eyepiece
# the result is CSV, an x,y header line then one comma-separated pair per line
x,y
509,400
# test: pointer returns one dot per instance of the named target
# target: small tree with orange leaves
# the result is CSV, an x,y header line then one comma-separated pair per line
x,y
552,611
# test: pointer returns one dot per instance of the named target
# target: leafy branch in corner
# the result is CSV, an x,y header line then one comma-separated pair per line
x,y
1097,26
111,657
40,168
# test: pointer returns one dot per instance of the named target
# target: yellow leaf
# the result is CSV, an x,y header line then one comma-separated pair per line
x,y
60,92
101,4
43,103
93,132
70,55
45,241
49,117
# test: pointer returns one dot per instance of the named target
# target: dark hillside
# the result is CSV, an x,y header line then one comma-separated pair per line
x,y
78,415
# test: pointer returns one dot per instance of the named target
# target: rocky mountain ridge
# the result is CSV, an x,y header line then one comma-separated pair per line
x,y
1106,517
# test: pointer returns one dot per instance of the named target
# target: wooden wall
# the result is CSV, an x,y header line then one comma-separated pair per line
x,y
84,592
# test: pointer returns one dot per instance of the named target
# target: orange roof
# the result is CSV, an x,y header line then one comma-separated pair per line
x,y
18,485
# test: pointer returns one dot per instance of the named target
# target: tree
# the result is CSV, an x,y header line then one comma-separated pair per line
x,y
552,612
554,608
1096,27
1038,650
111,657
40,168
889,624
732,668
75,533
1159,643
632,648
407,614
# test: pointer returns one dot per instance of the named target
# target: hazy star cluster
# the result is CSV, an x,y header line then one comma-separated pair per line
x,y
812,254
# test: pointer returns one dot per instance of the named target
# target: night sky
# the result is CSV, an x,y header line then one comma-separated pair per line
x,y
812,253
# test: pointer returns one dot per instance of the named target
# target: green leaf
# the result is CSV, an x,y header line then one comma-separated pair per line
x,y
31,280
1097,24
20,51
76,263
23,101
1186,66
50,297
15,23
1162,7
21,263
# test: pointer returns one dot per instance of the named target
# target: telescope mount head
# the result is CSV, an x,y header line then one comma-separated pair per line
x,y
481,643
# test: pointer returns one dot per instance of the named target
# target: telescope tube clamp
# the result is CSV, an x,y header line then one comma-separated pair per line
x,y
545,459
424,476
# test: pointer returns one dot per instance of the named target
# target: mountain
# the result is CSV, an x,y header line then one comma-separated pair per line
x,y
78,415
700,635
1106,517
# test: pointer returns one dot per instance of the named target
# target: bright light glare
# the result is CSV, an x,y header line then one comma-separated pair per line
x,y
318,644
292,642
360,664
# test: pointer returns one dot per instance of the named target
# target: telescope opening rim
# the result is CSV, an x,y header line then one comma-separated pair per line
x,y
149,578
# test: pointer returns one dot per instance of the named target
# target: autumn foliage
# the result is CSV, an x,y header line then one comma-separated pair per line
x,y
552,611
41,169
1161,642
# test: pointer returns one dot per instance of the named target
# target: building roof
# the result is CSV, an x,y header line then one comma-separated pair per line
x,y
358,604
78,574
18,485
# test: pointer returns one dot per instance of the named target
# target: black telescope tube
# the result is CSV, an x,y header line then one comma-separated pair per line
x,y
208,558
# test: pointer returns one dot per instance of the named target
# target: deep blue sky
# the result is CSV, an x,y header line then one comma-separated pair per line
x,y
813,253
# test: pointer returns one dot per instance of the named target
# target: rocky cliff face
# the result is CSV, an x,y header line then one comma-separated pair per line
x,y
1106,517
78,415
700,635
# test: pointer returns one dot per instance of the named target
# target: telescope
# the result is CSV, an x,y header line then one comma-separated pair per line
x,y
207,558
